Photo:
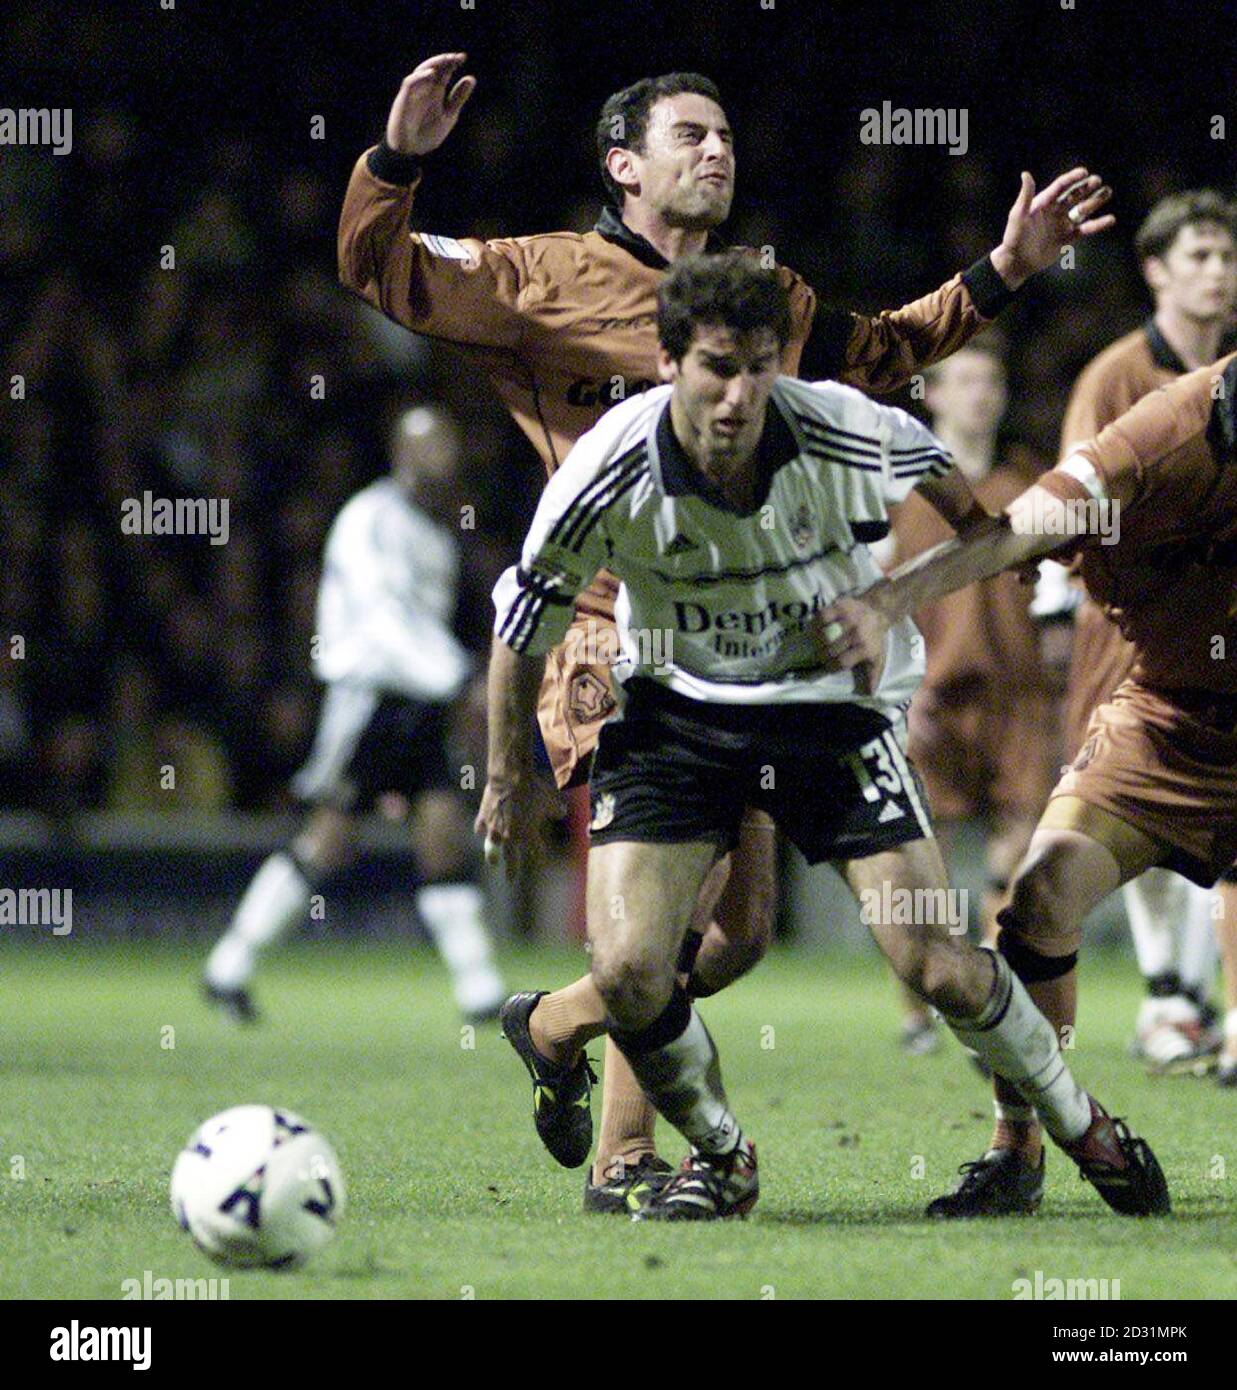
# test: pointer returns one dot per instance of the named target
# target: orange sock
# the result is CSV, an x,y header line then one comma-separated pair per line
x,y
627,1118
567,1020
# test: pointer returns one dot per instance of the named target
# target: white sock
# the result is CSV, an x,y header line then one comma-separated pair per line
x,y
683,1080
1230,1029
1198,953
276,900
1166,1011
452,912
1156,902
1019,1044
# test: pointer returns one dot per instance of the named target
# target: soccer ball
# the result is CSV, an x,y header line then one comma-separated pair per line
x,y
257,1187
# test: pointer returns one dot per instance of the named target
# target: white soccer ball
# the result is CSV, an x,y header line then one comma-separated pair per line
x,y
255,1186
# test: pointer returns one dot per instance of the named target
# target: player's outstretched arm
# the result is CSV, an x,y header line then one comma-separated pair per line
x,y
883,352
464,291
851,631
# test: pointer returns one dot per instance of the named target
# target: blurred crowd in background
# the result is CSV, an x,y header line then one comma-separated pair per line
x,y
240,370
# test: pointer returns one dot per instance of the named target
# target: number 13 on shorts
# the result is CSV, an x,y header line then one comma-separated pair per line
x,y
884,776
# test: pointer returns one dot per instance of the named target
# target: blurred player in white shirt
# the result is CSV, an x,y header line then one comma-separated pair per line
x,y
392,667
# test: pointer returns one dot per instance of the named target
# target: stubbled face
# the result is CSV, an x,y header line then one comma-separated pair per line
x,y
721,387
685,171
967,395
1197,275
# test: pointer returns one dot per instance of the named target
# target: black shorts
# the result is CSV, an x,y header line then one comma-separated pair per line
x,y
370,742
835,778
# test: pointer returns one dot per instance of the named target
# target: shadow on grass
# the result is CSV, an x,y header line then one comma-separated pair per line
x,y
1190,1211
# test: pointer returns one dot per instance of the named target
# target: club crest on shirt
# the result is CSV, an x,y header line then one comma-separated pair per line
x,y
588,698
802,528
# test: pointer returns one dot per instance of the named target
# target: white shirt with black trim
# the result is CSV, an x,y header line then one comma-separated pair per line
x,y
716,604
386,599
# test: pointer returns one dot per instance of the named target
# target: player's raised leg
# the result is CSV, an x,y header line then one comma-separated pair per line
x,y
640,901
975,991
1068,870
731,927
730,931
276,901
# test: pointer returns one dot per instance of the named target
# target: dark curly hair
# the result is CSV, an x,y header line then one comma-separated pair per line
x,y
729,288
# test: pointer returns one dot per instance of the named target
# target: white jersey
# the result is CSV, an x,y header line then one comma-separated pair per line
x,y
715,604
386,599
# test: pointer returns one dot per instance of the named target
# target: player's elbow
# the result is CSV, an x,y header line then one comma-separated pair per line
x,y
349,263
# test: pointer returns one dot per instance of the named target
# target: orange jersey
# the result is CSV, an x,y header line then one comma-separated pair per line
x,y
985,632
565,325
1108,385
1170,465
1115,379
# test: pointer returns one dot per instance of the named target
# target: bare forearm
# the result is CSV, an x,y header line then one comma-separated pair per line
x,y
514,682
985,550
953,500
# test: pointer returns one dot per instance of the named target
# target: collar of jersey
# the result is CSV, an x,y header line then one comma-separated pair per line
x,y
1162,353
680,476
611,227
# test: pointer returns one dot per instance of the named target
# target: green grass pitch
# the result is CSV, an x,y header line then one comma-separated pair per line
x,y
450,1193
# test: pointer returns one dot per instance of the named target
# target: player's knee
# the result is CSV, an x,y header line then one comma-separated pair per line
x,y
1039,906
741,955
936,972
634,988
442,856
1033,960
721,966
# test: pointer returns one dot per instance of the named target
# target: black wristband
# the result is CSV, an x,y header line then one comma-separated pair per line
x,y
392,167
990,293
